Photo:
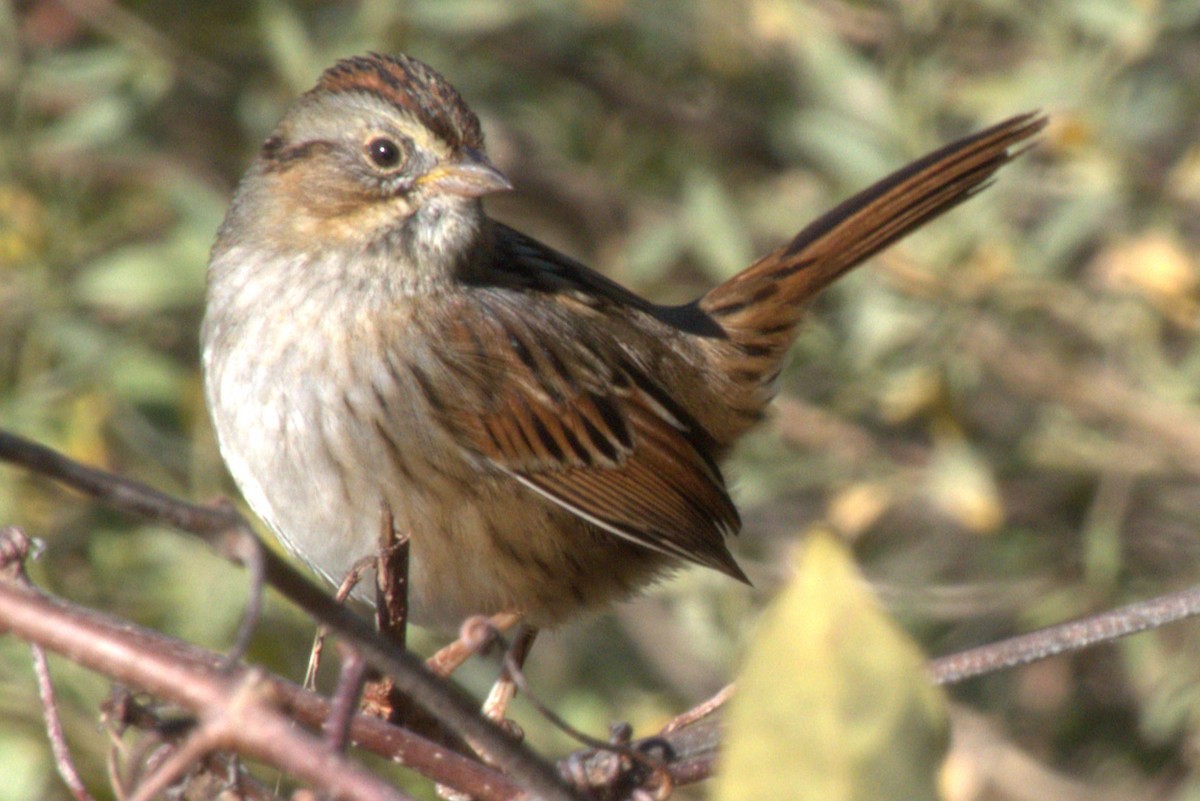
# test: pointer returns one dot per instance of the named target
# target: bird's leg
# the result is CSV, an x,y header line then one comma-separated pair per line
x,y
351,579
351,680
476,634
505,687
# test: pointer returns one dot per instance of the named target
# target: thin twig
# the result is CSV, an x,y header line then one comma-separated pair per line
x,y
15,547
443,700
135,657
381,697
199,743
657,768
391,579
123,493
695,740
344,700
505,687
259,731
518,678
54,730
689,756
701,710
250,554
1065,637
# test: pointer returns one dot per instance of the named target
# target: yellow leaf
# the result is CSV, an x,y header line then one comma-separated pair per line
x,y
962,486
1155,265
909,393
22,226
833,703
855,508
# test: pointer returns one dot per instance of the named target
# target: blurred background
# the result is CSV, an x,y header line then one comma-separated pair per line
x,y
1000,413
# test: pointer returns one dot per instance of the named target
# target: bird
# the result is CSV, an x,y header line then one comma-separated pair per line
x,y
548,441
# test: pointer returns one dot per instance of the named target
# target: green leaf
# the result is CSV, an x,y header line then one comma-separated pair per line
x,y
142,278
166,274
833,703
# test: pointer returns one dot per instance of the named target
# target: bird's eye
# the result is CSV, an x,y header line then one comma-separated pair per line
x,y
384,153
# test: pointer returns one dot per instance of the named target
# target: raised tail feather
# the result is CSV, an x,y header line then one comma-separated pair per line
x,y
760,307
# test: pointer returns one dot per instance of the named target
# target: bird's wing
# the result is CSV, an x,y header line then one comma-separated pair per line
x,y
536,384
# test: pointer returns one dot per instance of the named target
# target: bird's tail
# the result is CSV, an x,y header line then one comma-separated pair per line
x,y
760,307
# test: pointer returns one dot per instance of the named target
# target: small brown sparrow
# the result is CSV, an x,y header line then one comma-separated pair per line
x,y
549,441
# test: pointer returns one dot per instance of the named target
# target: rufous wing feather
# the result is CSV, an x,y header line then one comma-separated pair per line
x,y
587,432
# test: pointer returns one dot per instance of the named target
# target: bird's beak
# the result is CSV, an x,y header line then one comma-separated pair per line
x,y
472,176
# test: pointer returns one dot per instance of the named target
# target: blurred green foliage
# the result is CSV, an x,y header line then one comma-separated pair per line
x,y
1000,413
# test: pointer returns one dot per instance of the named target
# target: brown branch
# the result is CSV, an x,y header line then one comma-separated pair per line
x,y
1067,637
693,747
701,710
14,550
694,750
247,722
344,699
224,529
209,737
195,679
381,698
252,556
635,768
391,579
